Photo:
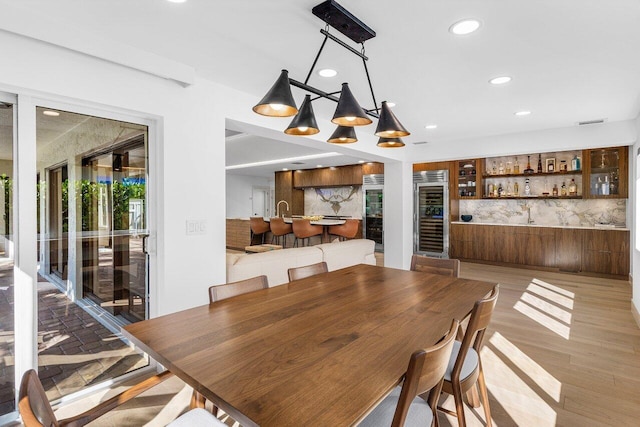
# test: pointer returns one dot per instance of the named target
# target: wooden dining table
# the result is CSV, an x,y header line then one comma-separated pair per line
x,y
322,351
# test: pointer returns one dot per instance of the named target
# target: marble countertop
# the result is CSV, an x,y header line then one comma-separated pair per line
x,y
584,227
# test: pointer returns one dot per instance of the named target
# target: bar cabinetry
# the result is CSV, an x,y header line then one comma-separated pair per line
x,y
583,250
606,173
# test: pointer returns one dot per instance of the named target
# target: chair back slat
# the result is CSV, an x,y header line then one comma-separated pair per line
x,y
443,266
425,374
228,290
307,271
33,404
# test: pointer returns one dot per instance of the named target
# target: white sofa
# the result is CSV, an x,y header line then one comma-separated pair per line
x,y
274,264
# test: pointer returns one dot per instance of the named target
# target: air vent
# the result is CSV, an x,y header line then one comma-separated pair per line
x,y
592,122
297,163
420,142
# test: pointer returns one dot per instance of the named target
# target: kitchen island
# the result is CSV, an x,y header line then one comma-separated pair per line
x,y
599,250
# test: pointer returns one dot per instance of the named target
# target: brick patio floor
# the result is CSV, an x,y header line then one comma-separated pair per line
x,y
74,350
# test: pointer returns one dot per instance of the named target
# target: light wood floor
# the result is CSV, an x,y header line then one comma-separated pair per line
x,y
561,350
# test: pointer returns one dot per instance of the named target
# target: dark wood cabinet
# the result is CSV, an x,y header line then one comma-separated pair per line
x,y
566,249
606,172
285,191
328,177
606,251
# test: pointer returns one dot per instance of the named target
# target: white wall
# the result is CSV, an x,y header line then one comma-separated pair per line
x,y
239,193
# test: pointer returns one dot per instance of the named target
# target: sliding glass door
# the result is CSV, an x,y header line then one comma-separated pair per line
x,y
7,336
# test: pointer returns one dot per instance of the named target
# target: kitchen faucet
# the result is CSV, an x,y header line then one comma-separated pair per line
x,y
278,207
528,208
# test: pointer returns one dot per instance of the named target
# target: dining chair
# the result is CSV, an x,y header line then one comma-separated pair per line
x,y
465,367
279,228
307,271
36,411
259,227
303,229
228,290
345,231
414,403
444,266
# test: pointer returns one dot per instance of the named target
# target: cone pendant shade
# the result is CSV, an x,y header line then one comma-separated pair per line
x,y
390,143
343,135
388,124
304,123
349,112
278,102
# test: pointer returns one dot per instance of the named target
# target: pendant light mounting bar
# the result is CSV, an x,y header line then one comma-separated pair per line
x,y
325,95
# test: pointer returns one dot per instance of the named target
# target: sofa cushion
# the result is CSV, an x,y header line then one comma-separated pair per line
x,y
273,264
339,255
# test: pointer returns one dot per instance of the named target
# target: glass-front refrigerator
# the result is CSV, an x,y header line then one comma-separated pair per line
x,y
431,230
372,218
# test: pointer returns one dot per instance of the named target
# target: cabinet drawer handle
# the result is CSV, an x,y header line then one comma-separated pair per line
x,y
605,252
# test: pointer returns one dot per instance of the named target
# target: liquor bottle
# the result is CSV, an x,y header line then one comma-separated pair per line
x,y
516,167
494,170
575,163
516,189
501,168
509,189
555,189
528,169
490,190
527,187
563,190
539,163
500,190
573,188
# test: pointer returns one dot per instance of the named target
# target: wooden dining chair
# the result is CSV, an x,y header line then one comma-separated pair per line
x,y
228,290
36,410
444,266
465,366
307,271
414,403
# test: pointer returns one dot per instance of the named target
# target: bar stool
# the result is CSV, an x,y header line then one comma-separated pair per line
x,y
302,229
259,227
279,228
345,231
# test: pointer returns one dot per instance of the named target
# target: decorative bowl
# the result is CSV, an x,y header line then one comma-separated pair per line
x,y
466,218
313,217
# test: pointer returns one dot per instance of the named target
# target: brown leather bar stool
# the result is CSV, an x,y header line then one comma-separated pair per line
x,y
279,228
303,229
345,231
259,227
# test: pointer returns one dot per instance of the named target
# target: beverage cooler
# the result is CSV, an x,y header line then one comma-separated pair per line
x,y
372,217
431,213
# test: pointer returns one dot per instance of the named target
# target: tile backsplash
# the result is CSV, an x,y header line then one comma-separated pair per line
x,y
342,201
551,212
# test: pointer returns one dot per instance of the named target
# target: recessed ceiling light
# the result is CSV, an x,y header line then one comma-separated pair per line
x,y
500,80
50,113
464,27
318,166
327,72
285,169
522,113
177,1
431,126
391,104
360,161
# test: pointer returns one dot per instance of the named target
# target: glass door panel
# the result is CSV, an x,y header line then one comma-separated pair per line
x,y
7,353
59,222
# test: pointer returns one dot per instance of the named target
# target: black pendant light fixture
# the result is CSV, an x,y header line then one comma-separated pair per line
x,y
390,143
343,135
278,102
304,123
349,112
388,124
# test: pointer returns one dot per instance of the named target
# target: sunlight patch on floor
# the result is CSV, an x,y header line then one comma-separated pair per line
x,y
550,295
523,404
543,319
554,288
546,307
547,382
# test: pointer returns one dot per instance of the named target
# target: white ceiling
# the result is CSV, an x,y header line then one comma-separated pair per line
x,y
570,60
